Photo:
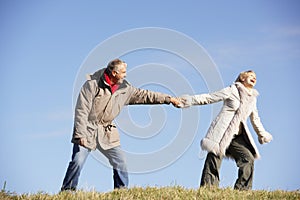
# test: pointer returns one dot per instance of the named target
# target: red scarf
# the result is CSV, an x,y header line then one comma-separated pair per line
x,y
113,87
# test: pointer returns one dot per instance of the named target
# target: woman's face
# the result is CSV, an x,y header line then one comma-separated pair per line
x,y
250,80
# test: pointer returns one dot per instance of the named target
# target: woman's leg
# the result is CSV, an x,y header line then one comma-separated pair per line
x,y
210,172
239,149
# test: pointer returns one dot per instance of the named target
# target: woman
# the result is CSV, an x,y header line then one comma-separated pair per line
x,y
228,134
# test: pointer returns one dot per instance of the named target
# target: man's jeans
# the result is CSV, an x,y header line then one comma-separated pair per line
x,y
116,159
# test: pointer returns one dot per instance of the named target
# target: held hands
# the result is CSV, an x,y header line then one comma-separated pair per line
x,y
175,101
181,102
186,101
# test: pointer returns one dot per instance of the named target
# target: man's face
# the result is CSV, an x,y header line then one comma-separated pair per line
x,y
250,80
120,75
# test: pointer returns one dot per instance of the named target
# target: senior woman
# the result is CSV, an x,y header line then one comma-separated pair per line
x,y
228,134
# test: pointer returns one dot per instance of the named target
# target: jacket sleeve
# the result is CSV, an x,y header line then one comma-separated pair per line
x,y
141,96
203,99
263,135
82,109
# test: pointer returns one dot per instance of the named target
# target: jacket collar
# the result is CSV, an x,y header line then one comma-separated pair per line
x,y
240,86
99,77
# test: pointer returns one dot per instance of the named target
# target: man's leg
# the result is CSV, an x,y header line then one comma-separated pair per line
x,y
117,159
240,151
210,173
79,156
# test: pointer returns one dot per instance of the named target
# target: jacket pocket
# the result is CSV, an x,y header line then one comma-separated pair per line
x,y
112,134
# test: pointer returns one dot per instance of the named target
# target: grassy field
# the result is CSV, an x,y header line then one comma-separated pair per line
x,y
165,193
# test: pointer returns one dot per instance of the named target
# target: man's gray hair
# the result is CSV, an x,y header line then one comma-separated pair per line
x,y
114,65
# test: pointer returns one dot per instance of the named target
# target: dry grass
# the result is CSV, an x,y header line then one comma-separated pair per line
x,y
152,193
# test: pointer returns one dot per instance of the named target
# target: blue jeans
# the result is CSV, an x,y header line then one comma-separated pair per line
x,y
116,159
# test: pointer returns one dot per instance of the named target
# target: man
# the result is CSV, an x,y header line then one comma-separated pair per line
x,y
99,102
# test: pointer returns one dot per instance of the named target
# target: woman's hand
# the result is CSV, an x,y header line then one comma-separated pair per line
x,y
265,137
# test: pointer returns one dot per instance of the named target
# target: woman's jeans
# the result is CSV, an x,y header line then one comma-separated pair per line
x,y
116,159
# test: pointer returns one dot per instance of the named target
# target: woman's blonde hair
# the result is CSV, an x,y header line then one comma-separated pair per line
x,y
243,75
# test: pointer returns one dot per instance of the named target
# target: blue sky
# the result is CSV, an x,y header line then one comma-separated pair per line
x,y
44,45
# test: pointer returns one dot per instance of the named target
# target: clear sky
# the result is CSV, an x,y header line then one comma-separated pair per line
x,y
48,46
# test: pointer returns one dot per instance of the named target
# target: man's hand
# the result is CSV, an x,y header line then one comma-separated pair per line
x,y
82,142
181,102
176,103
